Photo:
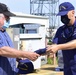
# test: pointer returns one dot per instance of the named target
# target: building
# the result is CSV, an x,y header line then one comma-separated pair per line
x,y
32,34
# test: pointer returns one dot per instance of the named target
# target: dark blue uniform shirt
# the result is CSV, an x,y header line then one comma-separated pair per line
x,y
63,35
7,65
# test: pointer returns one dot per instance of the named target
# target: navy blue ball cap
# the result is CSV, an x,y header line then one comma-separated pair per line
x,y
25,67
64,8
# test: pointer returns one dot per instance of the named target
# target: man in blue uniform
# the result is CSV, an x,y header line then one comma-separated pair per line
x,y
65,38
7,51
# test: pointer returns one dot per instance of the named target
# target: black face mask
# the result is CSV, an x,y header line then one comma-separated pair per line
x,y
65,19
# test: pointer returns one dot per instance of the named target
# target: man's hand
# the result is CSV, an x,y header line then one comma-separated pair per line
x,y
52,49
32,56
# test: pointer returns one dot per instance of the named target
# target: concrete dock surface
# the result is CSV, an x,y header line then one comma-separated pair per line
x,y
47,69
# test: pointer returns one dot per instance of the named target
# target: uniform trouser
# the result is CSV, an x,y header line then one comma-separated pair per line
x,y
70,70
67,71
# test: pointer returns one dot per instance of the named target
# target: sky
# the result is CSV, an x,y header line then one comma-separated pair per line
x,y
18,5
24,5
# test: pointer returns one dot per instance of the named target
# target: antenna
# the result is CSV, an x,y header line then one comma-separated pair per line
x,y
47,8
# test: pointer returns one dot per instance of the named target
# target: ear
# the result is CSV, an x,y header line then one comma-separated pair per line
x,y
73,12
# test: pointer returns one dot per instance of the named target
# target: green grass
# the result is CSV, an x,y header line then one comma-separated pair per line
x,y
50,60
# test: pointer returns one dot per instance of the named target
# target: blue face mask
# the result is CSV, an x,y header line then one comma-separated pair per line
x,y
6,24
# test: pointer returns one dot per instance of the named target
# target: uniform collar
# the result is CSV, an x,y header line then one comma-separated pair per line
x,y
74,25
68,31
2,30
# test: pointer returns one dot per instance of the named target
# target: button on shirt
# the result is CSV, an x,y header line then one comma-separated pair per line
x,y
7,65
63,35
